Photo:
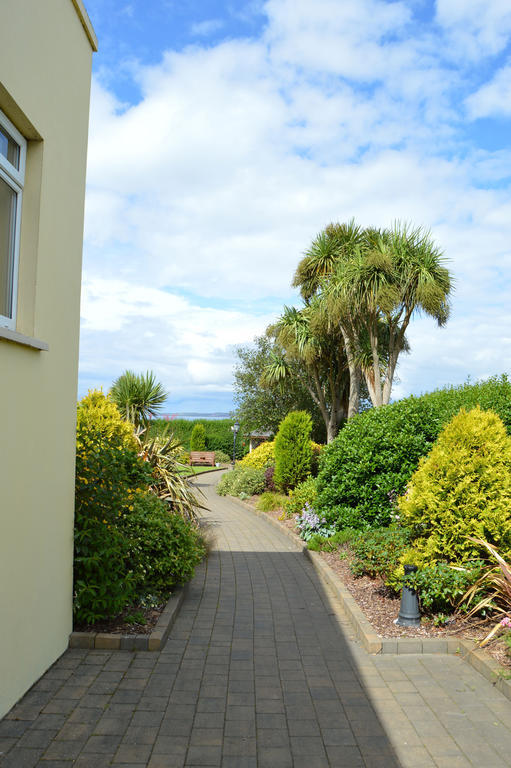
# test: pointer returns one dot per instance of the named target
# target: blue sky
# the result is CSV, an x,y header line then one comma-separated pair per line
x,y
225,135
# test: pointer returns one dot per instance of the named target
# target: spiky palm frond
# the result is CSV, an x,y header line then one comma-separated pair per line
x,y
293,331
425,280
169,482
276,371
330,247
495,583
138,396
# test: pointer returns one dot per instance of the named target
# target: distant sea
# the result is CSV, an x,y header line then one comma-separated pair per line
x,y
190,416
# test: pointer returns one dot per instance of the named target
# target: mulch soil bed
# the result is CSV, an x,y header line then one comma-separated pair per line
x,y
381,606
123,624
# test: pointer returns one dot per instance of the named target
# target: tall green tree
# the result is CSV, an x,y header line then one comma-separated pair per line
x,y
198,438
314,352
293,453
264,407
333,246
138,396
371,283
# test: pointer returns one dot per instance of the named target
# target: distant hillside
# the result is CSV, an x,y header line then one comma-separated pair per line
x,y
194,415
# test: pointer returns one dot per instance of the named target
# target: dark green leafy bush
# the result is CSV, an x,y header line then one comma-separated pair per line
x,y
377,552
440,587
242,482
373,457
293,452
163,546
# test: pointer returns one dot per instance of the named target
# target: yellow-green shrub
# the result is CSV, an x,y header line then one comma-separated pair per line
x,y
261,457
98,413
108,474
462,489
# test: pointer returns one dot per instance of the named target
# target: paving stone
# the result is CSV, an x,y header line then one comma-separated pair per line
x,y
13,728
46,722
6,744
133,753
261,670
198,756
238,761
102,744
206,737
166,761
274,757
92,761
63,750
21,757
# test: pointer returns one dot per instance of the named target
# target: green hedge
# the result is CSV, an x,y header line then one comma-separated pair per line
x,y
219,436
372,459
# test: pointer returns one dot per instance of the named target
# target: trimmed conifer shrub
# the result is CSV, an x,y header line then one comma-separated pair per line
x,y
461,490
198,438
293,452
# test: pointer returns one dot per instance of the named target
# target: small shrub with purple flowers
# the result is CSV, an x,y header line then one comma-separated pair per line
x,y
311,524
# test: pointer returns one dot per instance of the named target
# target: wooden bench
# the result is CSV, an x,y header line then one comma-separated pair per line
x,y
206,458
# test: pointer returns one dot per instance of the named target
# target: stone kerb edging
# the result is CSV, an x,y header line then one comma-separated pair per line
x,y
151,642
374,644
117,642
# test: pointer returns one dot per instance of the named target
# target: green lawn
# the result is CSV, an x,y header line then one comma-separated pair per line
x,y
198,470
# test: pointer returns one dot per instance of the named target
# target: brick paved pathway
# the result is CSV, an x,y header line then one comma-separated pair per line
x,y
260,671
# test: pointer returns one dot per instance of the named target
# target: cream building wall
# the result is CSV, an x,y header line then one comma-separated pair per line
x,y
45,70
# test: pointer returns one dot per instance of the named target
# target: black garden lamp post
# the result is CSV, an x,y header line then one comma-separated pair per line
x,y
409,615
235,428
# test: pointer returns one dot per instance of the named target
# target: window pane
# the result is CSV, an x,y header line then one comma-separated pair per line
x,y
7,231
9,149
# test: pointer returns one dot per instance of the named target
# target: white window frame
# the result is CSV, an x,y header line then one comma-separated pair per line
x,y
15,178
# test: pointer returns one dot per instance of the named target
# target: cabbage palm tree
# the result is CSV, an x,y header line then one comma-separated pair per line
x,y
331,248
138,396
316,355
371,282
393,275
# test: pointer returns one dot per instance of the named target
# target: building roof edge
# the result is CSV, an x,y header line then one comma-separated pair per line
x,y
86,23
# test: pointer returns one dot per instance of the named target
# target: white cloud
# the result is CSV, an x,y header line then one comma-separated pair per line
x,y
492,98
207,27
238,154
475,27
187,345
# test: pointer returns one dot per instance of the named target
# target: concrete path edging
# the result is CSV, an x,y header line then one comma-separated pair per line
x,y
151,642
373,643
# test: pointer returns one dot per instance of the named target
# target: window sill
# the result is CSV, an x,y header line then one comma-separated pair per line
x,y
26,341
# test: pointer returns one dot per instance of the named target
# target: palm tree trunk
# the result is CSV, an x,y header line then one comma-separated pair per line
x,y
355,375
373,376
